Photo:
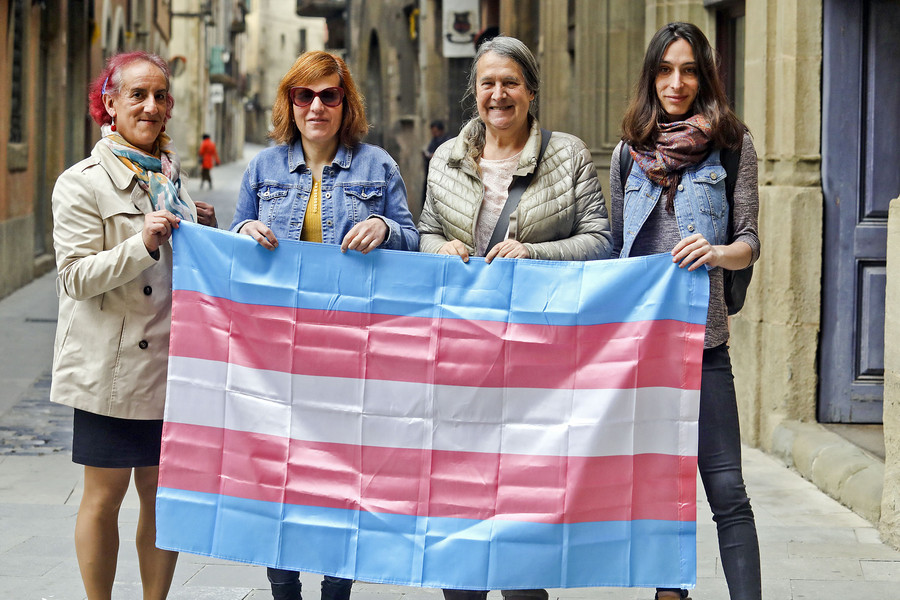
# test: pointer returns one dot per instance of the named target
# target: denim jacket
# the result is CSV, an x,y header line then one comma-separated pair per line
x,y
361,182
700,203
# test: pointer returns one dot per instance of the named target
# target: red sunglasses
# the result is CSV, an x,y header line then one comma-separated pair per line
x,y
303,96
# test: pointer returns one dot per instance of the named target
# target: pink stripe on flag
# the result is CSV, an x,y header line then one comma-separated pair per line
x,y
465,485
447,351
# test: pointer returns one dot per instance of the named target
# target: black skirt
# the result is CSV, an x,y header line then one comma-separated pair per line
x,y
108,442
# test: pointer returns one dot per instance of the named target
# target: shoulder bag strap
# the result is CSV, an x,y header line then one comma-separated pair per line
x,y
625,162
516,189
731,162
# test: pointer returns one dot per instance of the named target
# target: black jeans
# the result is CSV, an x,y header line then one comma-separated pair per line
x,y
719,461
286,586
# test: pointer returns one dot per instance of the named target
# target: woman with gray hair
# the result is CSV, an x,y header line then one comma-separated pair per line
x,y
506,188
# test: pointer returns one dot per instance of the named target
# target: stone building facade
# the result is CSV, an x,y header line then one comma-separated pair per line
x,y
206,54
788,79
53,48
276,36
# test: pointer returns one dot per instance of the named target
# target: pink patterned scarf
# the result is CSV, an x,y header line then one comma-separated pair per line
x,y
679,145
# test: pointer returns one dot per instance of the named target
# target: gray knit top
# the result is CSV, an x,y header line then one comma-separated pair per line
x,y
660,232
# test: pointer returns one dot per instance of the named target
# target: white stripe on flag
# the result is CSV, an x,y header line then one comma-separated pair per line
x,y
419,415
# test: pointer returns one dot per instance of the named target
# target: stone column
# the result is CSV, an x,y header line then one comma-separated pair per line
x,y
660,12
557,88
889,525
774,339
433,98
522,19
609,46
589,61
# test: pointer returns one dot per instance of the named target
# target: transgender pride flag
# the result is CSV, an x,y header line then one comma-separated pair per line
x,y
412,419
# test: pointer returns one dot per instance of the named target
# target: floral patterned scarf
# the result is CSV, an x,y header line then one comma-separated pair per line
x,y
679,145
159,176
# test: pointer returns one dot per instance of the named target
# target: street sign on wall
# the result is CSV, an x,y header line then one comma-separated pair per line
x,y
216,93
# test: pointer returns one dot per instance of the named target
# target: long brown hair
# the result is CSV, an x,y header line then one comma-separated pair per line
x,y
308,68
640,125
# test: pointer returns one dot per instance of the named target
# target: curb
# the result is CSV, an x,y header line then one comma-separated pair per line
x,y
836,466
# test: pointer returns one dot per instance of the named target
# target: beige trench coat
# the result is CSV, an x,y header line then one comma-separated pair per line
x,y
115,299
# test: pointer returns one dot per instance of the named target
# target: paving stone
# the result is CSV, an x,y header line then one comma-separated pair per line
x,y
34,426
823,569
814,589
881,570
44,546
230,575
16,565
858,551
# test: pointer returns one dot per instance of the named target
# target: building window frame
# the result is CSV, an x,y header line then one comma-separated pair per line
x,y
17,141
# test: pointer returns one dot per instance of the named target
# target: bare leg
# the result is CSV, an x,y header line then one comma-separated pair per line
x,y
157,566
97,529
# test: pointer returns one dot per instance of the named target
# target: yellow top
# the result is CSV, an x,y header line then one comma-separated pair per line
x,y
312,220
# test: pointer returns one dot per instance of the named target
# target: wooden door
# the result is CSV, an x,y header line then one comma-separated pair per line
x,y
861,174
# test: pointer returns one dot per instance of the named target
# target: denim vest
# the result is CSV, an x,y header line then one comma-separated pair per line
x,y
701,205
361,182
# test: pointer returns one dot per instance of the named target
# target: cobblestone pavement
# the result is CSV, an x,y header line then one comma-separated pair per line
x,y
35,426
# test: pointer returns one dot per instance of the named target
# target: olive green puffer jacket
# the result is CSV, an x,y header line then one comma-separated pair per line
x,y
561,216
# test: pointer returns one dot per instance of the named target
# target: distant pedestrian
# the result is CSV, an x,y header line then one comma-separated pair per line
x,y
438,137
113,215
208,154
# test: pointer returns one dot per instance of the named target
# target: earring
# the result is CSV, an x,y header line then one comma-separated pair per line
x,y
164,128
113,126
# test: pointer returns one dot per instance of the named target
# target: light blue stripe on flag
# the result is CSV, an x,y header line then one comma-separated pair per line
x,y
456,553
232,266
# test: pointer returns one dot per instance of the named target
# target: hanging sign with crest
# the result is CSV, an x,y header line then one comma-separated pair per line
x,y
461,24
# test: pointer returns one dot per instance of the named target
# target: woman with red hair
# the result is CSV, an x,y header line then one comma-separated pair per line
x,y
322,184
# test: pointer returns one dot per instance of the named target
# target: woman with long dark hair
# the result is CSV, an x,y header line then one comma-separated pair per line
x,y
679,128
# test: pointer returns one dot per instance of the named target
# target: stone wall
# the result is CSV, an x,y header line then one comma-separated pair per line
x,y
890,502
589,62
405,82
29,165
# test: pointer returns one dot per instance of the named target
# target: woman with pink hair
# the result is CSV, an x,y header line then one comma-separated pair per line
x,y
113,215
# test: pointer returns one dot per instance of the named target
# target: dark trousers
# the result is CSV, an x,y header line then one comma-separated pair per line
x,y
507,594
719,461
286,586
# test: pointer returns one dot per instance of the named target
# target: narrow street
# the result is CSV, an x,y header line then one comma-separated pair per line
x,y
812,547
